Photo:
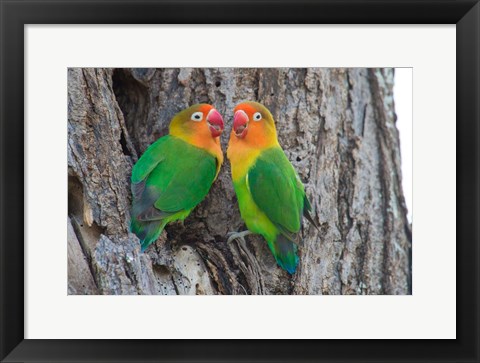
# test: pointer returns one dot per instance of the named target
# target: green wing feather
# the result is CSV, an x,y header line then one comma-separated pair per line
x,y
191,182
277,190
168,181
150,159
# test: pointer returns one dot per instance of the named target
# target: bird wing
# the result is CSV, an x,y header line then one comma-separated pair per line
x,y
277,191
175,176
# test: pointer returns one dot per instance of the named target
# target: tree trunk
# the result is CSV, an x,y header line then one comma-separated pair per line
x,y
337,127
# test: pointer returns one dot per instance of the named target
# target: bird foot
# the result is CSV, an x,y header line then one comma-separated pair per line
x,y
237,235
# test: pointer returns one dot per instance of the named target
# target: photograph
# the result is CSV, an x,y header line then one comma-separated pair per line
x,y
239,181
255,181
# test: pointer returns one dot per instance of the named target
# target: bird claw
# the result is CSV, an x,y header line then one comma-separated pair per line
x,y
237,235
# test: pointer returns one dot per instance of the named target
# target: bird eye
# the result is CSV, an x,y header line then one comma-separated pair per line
x,y
197,116
257,116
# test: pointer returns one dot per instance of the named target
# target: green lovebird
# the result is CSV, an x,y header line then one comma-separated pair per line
x,y
176,172
270,194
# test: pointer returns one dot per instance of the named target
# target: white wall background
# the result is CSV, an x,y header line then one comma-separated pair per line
x,y
403,96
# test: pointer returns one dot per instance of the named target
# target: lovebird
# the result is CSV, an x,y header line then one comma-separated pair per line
x,y
270,194
176,172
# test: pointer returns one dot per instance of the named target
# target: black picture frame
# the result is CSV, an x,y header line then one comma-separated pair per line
x,y
15,14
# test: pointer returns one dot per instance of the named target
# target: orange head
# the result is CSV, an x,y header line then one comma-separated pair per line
x,y
197,122
253,124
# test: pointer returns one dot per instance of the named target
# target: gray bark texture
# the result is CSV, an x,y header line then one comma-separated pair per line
x,y
337,127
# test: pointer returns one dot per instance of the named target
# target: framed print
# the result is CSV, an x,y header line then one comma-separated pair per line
x,y
263,156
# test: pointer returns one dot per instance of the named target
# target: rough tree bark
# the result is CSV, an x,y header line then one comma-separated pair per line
x,y
337,127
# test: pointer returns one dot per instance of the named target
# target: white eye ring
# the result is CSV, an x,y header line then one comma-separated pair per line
x,y
197,116
257,116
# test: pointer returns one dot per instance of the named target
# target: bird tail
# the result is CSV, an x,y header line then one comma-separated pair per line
x,y
147,231
285,252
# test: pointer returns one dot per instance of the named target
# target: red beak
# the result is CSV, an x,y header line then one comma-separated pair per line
x,y
240,124
215,122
